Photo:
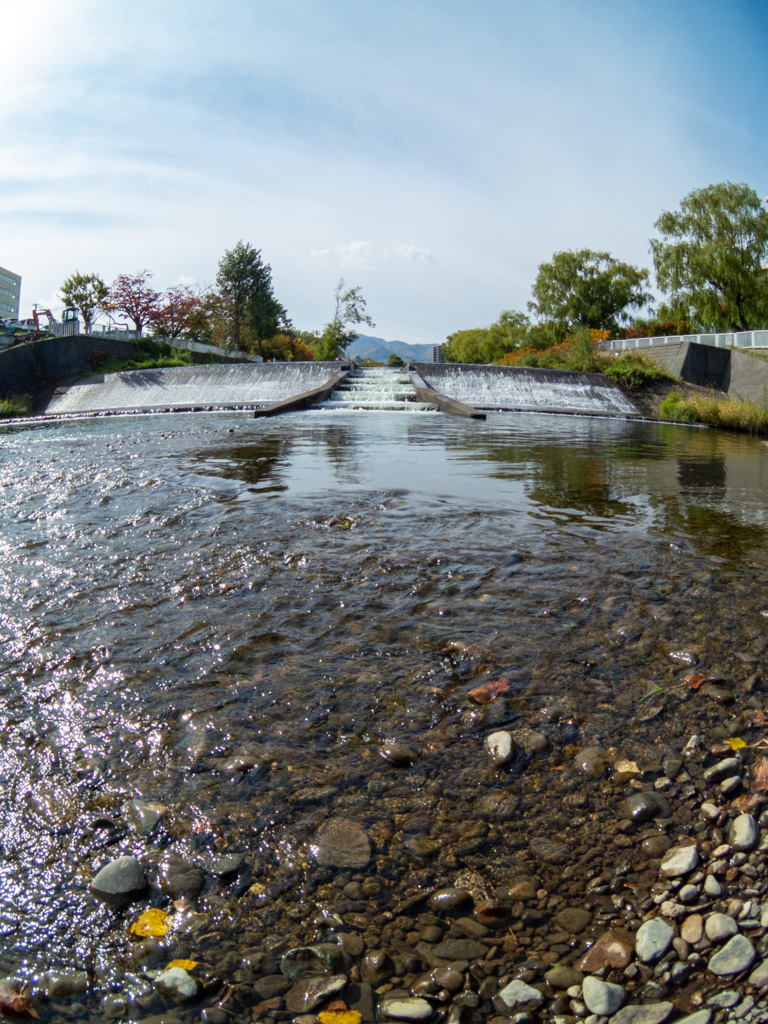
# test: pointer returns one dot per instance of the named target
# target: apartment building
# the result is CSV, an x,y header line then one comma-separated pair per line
x,y
10,290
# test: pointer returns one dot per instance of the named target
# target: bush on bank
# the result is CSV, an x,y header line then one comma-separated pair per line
x,y
724,413
15,406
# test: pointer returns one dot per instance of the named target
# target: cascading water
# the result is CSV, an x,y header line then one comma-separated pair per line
x,y
375,387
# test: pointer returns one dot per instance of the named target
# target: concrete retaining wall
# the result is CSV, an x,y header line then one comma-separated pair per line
x,y
25,368
737,374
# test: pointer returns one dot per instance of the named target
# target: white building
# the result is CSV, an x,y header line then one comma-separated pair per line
x,y
10,290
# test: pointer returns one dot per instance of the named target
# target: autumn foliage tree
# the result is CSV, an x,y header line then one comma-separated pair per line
x,y
175,312
132,295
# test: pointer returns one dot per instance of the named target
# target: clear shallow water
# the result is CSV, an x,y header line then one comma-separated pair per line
x,y
174,596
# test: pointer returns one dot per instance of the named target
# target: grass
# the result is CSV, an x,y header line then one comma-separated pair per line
x,y
15,406
157,354
724,413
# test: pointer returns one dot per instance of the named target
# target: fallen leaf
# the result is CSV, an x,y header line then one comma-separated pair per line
x,y
760,772
187,965
735,743
16,1003
694,680
488,692
152,922
340,1017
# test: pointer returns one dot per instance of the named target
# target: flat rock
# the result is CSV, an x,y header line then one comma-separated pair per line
x,y
573,919
602,997
548,850
517,997
692,929
120,882
650,1013
679,861
744,834
460,949
562,977
736,956
341,843
700,1017
653,939
613,949
759,977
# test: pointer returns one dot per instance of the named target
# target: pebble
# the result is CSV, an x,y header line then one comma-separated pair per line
x,y
646,806
650,1013
692,929
517,997
711,886
143,815
613,949
724,769
759,977
653,939
310,992
501,747
735,956
744,834
700,1017
406,1008
573,919
177,984
679,861
120,882
602,997
719,927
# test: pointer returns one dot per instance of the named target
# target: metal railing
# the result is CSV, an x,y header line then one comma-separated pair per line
x,y
124,334
731,339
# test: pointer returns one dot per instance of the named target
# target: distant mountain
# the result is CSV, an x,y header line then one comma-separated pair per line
x,y
378,349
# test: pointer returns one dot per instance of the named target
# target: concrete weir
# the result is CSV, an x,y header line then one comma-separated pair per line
x,y
527,389
236,386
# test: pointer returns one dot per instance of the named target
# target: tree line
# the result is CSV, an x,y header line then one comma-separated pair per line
x,y
711,265
240,312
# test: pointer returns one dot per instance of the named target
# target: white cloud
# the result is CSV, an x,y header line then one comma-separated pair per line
x,y
413,252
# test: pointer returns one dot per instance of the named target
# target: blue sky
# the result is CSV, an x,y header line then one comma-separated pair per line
x,y
433,152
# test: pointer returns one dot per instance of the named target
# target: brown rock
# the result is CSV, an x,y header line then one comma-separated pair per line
x,y
692,929
613,949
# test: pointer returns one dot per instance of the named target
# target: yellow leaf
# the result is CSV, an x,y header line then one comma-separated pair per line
x,y
151,922
188,965
340,1017
736,743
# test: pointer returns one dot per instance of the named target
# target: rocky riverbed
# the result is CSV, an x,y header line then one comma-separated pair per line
x,y
270,754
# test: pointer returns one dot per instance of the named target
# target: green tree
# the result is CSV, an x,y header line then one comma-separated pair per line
x,y
395,360
245,280
711,258
487,344
85,293
587,289
349,311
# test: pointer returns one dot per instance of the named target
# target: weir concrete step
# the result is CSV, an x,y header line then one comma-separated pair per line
x,y
376,388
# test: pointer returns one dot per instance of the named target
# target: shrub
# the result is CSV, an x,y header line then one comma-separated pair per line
x,y
15,406
725,413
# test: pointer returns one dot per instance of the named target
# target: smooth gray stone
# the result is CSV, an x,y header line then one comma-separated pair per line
x,y
120,882
651,1013
719,927
602,997
759,977
653,939
679,861
724,1000
516,997
724,769
700,1017
310,992
744,833
736,956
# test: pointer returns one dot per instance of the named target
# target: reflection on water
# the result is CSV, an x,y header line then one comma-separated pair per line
x,y
228,617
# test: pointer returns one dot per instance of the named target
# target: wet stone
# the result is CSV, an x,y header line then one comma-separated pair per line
x,y
398,754
376,966
646,806
561,977
446,901
341,843
143,815
180,878
613,949
228,865
655,846
460,949
727,768
177,984
501,747
310,992
548,850
120,882
405,1008
736,956
324,956
653,939
573,919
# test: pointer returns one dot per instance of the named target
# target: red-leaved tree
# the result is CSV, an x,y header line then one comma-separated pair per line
x,y
175,311
131,294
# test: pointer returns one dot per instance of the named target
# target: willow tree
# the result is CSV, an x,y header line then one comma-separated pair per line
x,y
711,258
